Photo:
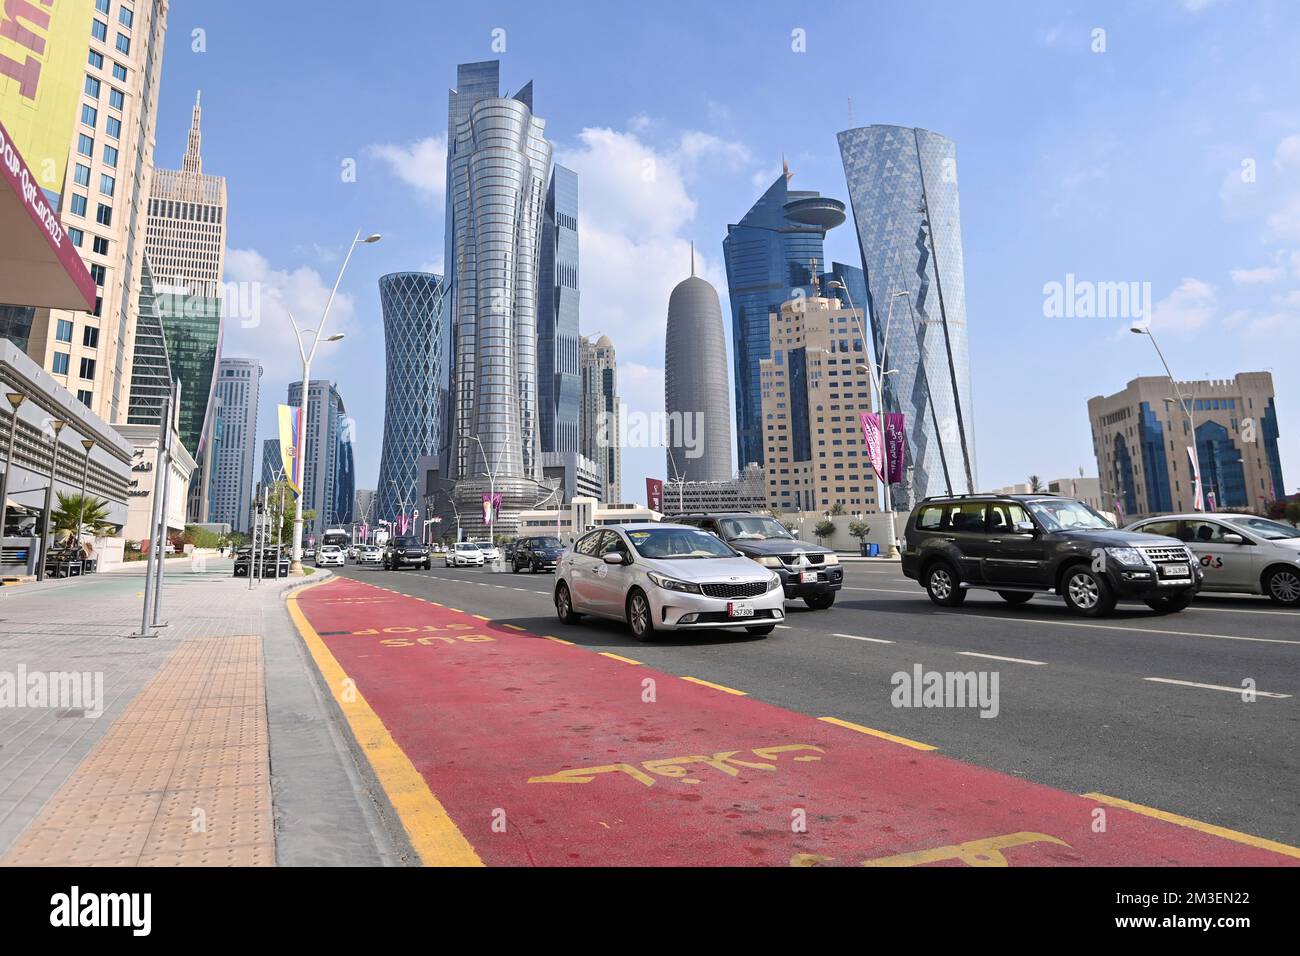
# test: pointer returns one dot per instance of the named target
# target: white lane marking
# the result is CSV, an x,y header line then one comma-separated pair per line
x,y
994,657
1231,690
919,591
1136,630
785,627
1194,607
855,637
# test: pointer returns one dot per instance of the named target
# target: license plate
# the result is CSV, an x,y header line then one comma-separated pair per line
x,y
740,609
807,577
1175,571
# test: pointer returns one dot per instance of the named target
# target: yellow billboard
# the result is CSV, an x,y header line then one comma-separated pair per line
x,y
43,47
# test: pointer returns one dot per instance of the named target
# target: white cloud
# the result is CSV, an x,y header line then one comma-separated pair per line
x,y
635,206
1260,275
264,331
422,164
1187,309
641,387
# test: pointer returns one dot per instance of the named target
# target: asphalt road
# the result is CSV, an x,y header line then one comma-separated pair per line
x,y
1084,705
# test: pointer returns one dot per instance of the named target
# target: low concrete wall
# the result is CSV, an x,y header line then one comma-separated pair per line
x,y
841,540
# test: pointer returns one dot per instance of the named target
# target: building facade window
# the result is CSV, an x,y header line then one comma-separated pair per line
x,y
60,364
88,368
63,331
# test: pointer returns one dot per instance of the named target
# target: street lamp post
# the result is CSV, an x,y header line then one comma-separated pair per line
x,y
15,400
1186,406
88,444
492,492
300,447
47,521
877,382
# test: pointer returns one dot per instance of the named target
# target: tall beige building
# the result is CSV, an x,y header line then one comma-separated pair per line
x,y
600,407
814,387
1141,438
110,164
186,234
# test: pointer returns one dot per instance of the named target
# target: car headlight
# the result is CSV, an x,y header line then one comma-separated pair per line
x,y
1131,557
774,582
831,559
770,561
672,584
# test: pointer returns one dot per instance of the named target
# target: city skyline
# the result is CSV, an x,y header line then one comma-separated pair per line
x,y
712,154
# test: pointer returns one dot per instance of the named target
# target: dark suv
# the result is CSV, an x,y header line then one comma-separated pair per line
x,y
1022,545
399,552
535,554
807,571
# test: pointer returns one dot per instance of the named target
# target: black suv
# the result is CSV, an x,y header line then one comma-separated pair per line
x,y
807,571
535,554
1022,545
399,552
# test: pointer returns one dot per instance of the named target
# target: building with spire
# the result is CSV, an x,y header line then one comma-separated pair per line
x,y
772,256
185,240
695,384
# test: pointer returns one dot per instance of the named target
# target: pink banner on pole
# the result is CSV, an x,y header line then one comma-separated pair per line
x,y
895,445
875,441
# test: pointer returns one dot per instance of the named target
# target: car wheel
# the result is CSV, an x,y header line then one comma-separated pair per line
x,y
819,602
762,631
1283,587
1169,603
1015,597
942,585
1086,592
564,605
514,567
639,618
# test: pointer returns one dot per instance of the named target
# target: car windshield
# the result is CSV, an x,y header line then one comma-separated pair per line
x,y
466,546
1266,529
677,543
406,543
753,528
547,543
1066,514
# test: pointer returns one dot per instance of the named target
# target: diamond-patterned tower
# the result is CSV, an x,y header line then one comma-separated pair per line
x,y
903,189
416,387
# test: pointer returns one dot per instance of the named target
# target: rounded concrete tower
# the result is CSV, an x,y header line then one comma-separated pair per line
x,y
696,389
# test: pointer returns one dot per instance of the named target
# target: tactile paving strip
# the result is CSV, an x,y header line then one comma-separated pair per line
x,y
182,778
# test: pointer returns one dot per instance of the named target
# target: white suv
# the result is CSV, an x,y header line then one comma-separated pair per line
x,y
666,577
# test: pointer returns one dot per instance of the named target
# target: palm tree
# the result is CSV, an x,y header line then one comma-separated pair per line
x,y
1035,484
75,511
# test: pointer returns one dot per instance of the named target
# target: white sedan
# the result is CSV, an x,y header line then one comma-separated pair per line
x,y
465,554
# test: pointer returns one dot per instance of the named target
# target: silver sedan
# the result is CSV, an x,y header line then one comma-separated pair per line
x,y
666,577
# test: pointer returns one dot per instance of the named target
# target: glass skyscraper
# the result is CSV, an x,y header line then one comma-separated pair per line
x,y
559,380
903,190
498,171
417,363
772,255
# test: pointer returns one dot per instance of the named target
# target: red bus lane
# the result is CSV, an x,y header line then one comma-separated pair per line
x,y
550,754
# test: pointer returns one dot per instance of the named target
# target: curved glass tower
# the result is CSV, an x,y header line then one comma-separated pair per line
x,y
903,189
695,385
416,333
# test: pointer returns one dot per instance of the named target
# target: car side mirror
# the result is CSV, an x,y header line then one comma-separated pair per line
x,y
1025,527
615,557
1230,538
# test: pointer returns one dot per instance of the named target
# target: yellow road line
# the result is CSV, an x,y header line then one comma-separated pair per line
x,y
1235,835
558,640
725,690
432,832
914,744
480,617
618,657
514,627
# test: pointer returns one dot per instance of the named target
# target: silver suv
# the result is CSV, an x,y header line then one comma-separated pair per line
x,y
1238,553
666,577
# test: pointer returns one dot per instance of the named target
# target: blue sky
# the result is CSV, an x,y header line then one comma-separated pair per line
x,y
1170,157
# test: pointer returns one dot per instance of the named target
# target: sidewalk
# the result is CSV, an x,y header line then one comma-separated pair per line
x,y
211,744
